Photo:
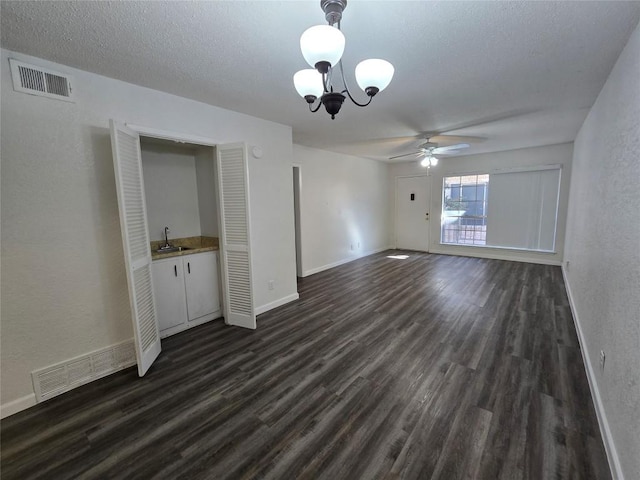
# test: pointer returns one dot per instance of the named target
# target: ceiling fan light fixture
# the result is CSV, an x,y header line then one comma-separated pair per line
x,y
427,148
308,83
322,45
374,75
429,161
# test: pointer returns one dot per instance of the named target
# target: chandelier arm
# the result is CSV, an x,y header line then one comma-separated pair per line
x,y
314,110
326,81
354,101
346,88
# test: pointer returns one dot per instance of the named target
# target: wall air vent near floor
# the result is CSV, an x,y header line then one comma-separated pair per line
x,y
40,81
56,379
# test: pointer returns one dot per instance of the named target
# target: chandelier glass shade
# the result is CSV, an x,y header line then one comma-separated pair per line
x,y
322,47
308,82
374,73
322,44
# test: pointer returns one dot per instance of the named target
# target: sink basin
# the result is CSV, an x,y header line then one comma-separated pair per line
x,y
173,249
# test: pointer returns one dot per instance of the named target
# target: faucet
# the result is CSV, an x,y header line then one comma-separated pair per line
x,y
166,238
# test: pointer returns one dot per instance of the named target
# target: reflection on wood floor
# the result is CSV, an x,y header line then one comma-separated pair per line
x,y
426,367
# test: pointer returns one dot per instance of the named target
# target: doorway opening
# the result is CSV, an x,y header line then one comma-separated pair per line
x,y
232,208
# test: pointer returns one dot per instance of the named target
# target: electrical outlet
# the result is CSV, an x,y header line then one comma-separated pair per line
x,y
271,284
358,245
566,265
602,358
352,246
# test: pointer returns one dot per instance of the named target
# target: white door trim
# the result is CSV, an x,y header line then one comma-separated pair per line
x,y
298,221
175,136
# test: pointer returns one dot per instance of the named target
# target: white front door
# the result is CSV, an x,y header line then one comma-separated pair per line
x,y
413,198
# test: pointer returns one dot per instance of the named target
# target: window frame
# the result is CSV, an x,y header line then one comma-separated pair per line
x,y
473,242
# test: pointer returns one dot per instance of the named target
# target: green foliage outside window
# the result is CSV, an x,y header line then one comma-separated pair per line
x,y
450,204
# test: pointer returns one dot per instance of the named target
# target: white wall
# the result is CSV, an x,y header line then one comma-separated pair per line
x,y
207,191
171,190
603,248
343,203
64,291
484,163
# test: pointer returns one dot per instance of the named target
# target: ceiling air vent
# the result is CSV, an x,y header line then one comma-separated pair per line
x,y
40,81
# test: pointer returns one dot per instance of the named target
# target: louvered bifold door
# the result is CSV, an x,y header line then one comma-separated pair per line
x,y
127,163
233,187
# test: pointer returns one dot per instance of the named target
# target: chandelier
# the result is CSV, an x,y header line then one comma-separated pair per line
x,y
322,47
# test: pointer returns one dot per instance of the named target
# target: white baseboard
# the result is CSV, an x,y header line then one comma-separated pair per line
x,y
496,256
311,271
277,303
17,405
102,362
607,437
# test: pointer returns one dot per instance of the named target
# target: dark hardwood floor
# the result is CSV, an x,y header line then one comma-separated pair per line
x,y
428,367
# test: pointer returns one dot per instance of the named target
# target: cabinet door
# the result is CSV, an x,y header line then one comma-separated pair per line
x,y
201,279
168,288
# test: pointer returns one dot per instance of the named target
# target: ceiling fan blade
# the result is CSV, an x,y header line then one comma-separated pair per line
x,y
399,143
391,141
406,155
449,139
449,148
486,120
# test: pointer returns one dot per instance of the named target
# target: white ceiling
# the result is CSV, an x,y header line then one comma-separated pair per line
x,y
519,74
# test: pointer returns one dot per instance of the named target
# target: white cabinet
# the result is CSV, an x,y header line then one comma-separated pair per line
x,y
168,289
201,284
186,291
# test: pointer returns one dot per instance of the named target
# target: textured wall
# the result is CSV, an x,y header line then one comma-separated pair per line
x,y
207,191
64,290
603,248
343,202
171,191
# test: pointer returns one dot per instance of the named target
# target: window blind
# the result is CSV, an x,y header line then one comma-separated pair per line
x,y
522,208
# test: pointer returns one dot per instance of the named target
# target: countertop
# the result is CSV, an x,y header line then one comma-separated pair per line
x,y
195,245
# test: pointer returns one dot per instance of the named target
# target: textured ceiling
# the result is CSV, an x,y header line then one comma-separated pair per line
x,y
518,74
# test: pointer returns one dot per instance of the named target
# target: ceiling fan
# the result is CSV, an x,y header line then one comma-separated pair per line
x,y
430,148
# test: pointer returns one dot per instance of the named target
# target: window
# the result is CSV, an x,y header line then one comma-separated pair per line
x,y
464,209
523,205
